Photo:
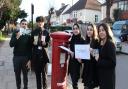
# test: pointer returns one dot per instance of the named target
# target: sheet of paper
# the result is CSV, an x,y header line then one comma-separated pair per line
x,y
43,38
82,51
66,49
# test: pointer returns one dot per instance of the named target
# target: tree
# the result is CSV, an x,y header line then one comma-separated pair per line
x,y
9,10
22,14
108,8
50,12
2,3
116,14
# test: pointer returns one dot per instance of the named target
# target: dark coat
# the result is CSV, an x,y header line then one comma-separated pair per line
x,y
89,74
40,56
22,46
106,65
74,66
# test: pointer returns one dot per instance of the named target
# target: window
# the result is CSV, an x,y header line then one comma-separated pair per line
x,y
123,5
75,14
96,18
80,13
126,5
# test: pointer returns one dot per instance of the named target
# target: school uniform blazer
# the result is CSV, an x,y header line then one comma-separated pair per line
x,y
42,54
74,66
89,74
106,65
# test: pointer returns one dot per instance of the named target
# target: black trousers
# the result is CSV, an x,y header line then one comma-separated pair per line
x,y
40,69
19,63
74,71
41,77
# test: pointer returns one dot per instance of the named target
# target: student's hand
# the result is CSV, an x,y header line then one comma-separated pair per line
x,y
72,54
97,57
43,43
79,60
18,35
91,51
28,65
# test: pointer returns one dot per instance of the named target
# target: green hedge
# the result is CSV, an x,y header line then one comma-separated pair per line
x,y
59,28
2,37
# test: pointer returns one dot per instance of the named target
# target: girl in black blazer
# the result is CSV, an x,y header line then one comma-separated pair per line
x,y
89,76
106,61
74,64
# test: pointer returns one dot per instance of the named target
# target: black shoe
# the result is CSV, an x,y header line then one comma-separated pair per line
x,y
18,88
25,88
75,87
85,87
45,87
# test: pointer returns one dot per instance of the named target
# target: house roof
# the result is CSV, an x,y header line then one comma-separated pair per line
x,y
58,12
93,4
85,4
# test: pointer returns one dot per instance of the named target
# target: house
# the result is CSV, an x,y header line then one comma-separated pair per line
x,y
117,4
84,11
57,17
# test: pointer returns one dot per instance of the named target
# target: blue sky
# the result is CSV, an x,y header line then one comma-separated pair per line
x,y
41,7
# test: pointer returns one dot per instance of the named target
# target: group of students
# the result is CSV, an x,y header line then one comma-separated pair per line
x,y
32,47
99,71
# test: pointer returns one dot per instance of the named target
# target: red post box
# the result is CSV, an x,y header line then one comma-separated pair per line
x,y
59,68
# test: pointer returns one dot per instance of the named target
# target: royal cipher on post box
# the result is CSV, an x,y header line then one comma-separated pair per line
x,y
59,60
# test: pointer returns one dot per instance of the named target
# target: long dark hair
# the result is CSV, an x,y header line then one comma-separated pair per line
x,y
76,36
108,31
76,25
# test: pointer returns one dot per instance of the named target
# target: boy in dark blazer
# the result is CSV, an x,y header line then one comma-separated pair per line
x,y
40,40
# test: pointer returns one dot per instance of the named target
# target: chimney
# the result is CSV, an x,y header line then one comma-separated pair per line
x,y
62,4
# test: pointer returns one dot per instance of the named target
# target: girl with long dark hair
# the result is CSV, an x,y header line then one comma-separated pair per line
x,y
74,63
106,62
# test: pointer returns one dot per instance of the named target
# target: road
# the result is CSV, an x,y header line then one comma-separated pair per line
x,y
122,72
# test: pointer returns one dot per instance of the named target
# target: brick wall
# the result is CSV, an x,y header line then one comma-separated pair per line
x,y
124,15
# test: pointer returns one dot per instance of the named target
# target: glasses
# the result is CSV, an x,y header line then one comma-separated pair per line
x,y
75,28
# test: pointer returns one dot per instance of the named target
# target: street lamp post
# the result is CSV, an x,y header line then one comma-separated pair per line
x,y
72,2
32,12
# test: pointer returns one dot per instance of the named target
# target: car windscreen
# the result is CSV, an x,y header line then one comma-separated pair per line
x,y
117,26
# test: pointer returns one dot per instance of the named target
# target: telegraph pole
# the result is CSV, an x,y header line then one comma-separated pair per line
x,y
72,2
32,12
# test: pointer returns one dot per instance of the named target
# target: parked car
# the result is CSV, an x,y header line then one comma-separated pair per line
x,y
118,44
118,30
124,33
119,33
69,31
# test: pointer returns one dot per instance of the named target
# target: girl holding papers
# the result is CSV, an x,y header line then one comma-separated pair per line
x,y
75,64
89,76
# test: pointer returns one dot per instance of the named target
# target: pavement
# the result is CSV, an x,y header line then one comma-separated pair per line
x,y
7,78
